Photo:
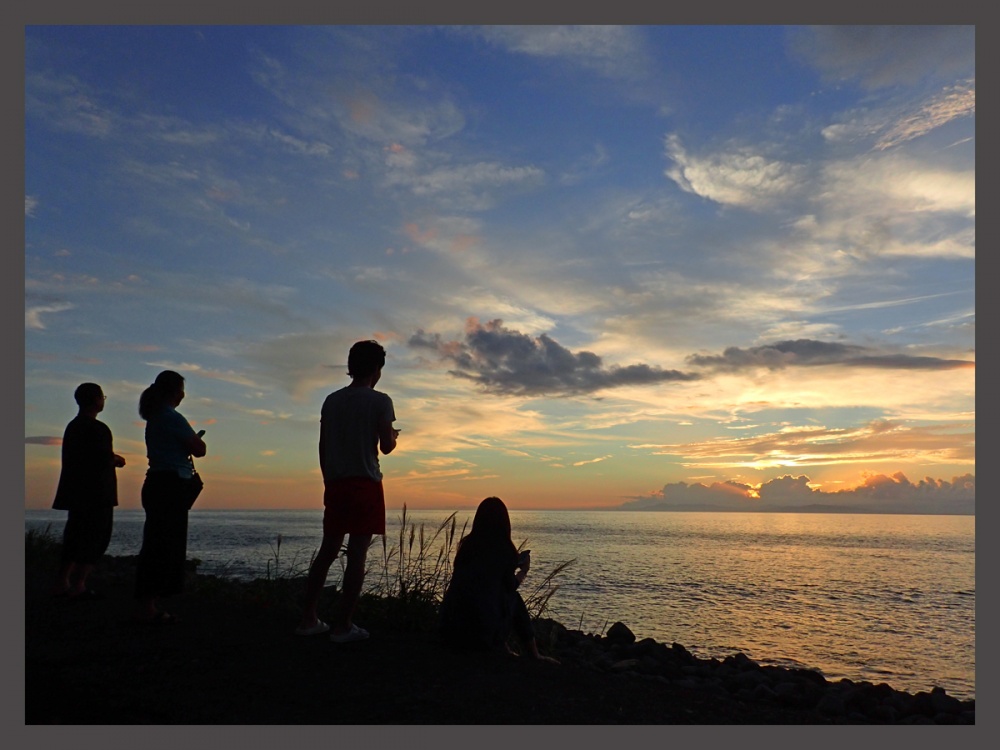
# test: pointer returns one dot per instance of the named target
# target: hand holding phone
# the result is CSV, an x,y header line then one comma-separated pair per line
x,y
524,558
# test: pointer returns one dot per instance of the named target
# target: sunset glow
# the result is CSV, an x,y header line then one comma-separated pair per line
x,y
637,265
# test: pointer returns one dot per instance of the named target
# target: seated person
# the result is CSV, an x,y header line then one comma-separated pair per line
x,y
481,605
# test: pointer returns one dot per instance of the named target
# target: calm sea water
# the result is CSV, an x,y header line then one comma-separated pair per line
x,y
884,598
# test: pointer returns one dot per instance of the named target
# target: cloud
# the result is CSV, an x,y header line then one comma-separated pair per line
x,y
812,353
813,445
616,52
467,186
299,146
890,128
227,376
740,177
30,204
33,315
397,117
893,184
885,56
43,440
878,493
505,361
66,104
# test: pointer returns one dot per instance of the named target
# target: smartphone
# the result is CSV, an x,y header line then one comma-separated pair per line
x,y
522,557
201,433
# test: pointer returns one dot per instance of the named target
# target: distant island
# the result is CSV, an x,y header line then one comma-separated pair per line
x,y
787,494
816,508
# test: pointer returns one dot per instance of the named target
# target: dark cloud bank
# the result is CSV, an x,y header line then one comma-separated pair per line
x,y
811,353
507,362
879,494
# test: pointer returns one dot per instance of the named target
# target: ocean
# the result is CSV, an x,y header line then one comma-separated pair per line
x,y
883,598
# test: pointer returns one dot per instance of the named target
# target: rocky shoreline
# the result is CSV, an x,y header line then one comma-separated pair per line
x,y
741,678
232,659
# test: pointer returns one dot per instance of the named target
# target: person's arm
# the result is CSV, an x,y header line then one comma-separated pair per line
x,y
191,441
105,453
522,567
386,436
196,446
322,450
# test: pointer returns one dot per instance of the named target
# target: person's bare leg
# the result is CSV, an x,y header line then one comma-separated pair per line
x,y
533,652
147,609
84,570
354,576
63,584
328,551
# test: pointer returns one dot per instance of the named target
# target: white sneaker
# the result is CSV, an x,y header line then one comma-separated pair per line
x,y
319,627
354,634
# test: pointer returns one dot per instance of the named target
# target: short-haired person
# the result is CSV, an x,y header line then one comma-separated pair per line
x,y
355,423
88,490
481,606
170,488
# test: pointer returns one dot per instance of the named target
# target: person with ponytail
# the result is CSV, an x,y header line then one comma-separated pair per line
x,y
482,606
168,492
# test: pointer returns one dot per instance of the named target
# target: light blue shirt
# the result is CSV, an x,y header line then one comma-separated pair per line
x,y
168,436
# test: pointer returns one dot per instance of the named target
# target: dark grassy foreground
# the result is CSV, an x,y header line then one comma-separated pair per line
x,y
232,659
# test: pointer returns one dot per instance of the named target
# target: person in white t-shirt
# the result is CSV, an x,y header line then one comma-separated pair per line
x,y
355,423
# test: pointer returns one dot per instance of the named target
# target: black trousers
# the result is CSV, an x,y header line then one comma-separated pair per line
x,y
160,570
87,535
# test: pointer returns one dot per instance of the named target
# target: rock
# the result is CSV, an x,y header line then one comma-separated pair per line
x,y
799,694
625,665
620,634
749,679
885,713
763,693
740,661
942,703
832,704
682,652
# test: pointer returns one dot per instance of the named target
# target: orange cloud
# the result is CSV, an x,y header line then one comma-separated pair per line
x,y
412,230
362,109
464,242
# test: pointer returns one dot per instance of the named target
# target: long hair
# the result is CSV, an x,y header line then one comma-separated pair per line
x,y
490,530
158,395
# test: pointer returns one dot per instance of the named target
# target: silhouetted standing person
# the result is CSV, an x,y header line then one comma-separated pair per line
x,y
88,490
355,423
168,492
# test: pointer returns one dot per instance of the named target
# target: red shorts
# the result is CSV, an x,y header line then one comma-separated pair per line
x,y
353,505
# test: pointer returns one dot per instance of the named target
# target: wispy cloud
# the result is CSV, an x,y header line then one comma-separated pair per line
x,y
43,440
33,315
467,186
881,441
883,56
611,51
888,128
812,353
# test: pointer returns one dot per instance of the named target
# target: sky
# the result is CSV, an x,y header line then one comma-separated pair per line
x,y
641,266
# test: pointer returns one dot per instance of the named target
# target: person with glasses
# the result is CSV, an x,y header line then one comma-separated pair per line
x,y
88,490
